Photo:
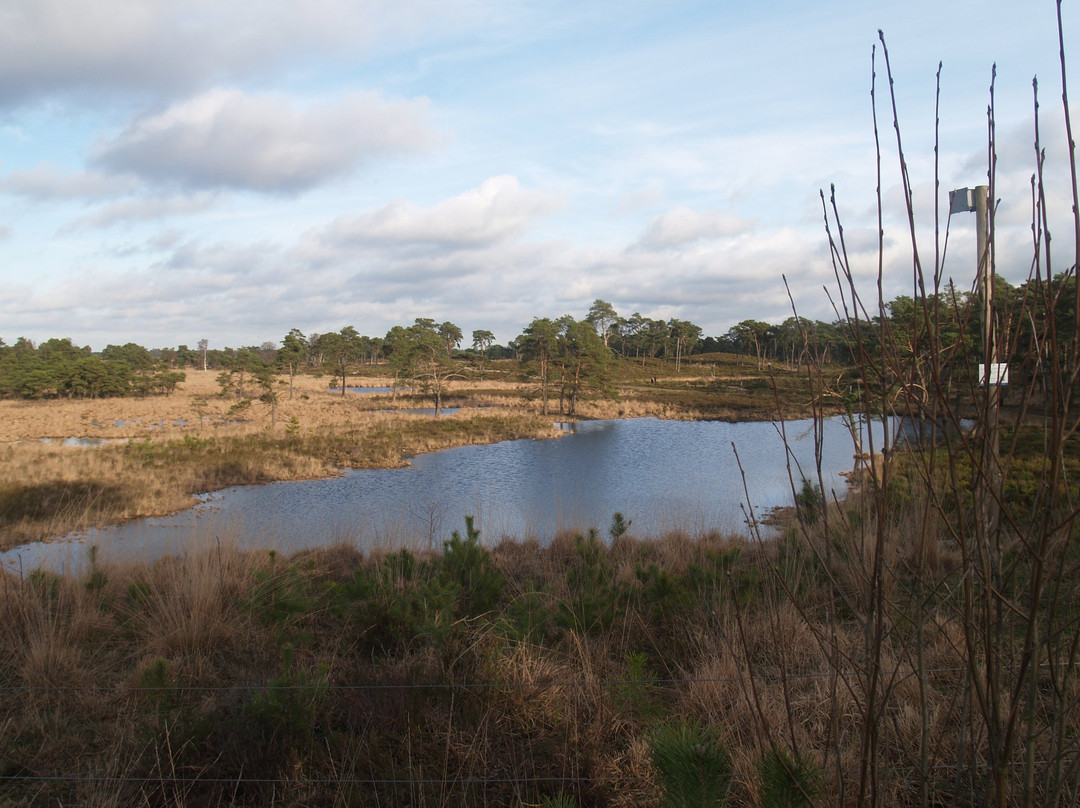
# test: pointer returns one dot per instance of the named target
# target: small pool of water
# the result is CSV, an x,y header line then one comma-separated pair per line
x,y
694,476
363,391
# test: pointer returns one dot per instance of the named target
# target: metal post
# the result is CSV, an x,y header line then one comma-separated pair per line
x,y
985,281
988,489
991,379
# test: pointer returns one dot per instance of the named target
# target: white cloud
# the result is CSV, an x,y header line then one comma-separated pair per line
x,y
229,139
683,225
52,47
637,200
496,210
46,183
145,209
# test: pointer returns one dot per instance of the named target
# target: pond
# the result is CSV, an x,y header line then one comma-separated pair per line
x,y
661,475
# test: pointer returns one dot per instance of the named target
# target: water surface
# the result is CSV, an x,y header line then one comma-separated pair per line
x,y
661,475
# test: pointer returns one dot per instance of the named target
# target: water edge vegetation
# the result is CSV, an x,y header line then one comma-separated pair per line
x,y
917,643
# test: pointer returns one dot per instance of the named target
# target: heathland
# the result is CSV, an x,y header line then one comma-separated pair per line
x,y
138,456
914,643
858,658
221,677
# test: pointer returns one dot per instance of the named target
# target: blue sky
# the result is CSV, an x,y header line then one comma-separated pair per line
x,y
232,169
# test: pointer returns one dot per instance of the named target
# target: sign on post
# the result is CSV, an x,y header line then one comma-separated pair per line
x,y
962,200
999,373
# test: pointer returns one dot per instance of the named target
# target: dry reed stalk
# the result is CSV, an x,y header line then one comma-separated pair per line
x,y
185,608
948,602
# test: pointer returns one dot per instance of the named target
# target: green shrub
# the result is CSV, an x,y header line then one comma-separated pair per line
x,y
693,768
637,697
619,525
593,602
280,594
787,782
469,566
808,502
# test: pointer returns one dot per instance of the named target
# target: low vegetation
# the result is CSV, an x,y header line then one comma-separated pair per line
x,y
47,489
915,643
143,456
592,671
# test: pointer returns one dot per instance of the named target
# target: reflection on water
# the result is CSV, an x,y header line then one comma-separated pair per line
x,y
363,391
80,441
661,475
923,432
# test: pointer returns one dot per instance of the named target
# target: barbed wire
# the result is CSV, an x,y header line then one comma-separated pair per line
x,y
566,683
976,767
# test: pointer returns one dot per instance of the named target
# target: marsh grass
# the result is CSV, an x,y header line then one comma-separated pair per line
x,y
157,453
48,490
913,644
466,675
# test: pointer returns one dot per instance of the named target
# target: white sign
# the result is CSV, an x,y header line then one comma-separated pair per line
x,y
999,373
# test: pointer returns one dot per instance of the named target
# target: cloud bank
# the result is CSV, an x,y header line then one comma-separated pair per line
x,y
264,143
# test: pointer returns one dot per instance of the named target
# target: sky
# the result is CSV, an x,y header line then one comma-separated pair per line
x,y
178,170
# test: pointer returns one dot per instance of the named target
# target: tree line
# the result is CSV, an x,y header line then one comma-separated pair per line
x,y
58,369
568,357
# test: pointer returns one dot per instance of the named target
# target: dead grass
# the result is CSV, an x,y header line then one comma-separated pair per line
x,y
182,607
481,697
165,450
152,455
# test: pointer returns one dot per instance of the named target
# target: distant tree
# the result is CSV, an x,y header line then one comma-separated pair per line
x,y
314,357
685,335
539,345
134,356
630,334
293,351
585,366
58,350
268,352
750,336
394,337
265,377
204,345
238,370
451,336
654,338
375,349
93,378
602,315
617,333
341,350
419,359
481,341
185,357
710,345
166,357
790,338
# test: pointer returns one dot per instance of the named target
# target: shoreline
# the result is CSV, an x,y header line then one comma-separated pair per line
x,y
76,464
769,519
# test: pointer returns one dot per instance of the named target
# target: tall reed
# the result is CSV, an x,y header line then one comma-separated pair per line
x,y
955,568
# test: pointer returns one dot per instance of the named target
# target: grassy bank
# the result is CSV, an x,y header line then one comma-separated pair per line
x,y
48,490
156,453
573,674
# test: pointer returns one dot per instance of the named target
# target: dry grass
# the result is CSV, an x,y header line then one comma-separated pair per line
x,y
165,450
558,697
153,455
